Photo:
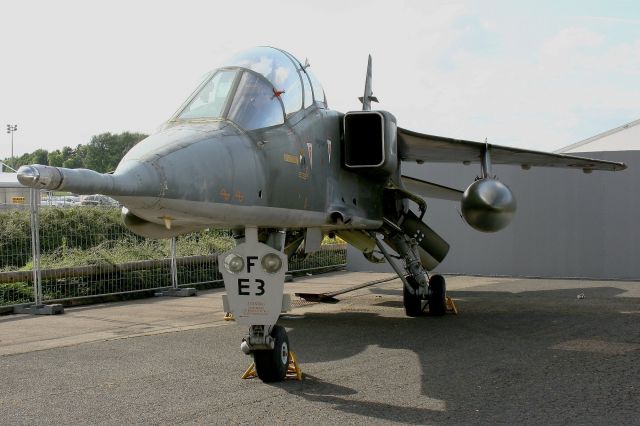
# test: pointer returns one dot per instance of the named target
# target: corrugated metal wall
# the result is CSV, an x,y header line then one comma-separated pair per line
x,y
568,224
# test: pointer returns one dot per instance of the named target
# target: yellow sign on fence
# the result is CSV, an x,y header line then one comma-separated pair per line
x,y
17,200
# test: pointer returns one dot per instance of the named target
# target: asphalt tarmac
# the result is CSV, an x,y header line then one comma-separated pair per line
x,y
521,351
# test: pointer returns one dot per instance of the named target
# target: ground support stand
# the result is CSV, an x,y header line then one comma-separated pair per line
x,y
451,306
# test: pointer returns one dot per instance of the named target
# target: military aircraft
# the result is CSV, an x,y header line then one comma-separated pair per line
x,y
256,149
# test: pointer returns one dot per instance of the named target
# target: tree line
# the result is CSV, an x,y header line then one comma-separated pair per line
x,y
102,153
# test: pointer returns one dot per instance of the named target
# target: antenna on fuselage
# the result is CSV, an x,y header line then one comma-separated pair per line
x,y
368,92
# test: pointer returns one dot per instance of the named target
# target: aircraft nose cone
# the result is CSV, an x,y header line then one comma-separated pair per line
x,y
28,176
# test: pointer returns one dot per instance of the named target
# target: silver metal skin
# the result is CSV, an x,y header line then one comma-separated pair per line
x,y
137,180
259,338
28,176
368,97
245,348
488,205
485,162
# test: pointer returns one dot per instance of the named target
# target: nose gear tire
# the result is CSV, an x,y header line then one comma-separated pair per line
x,y
271,365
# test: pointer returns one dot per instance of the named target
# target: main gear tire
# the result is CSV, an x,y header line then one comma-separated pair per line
x,y
437,296
272,364
412,302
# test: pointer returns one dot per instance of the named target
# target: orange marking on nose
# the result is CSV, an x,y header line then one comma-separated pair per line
x,y
224,194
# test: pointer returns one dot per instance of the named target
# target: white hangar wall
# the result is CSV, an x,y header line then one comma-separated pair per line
x,y
622,138
568,224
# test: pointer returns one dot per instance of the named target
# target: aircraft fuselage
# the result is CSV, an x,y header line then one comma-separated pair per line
x,y
213,174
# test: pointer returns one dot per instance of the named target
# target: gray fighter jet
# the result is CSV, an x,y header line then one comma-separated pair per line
x,y
256,149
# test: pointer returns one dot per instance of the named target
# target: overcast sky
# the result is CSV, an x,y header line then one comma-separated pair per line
x,y
537,74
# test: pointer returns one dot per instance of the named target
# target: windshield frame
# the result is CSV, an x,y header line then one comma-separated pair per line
x,y
210,76
264,80
240,71
254,58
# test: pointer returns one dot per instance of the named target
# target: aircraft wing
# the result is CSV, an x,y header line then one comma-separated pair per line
x,y
430,189
437,149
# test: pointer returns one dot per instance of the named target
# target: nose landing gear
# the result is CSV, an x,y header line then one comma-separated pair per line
x,y
254,275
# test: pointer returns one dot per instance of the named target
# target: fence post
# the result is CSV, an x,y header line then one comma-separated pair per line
x,y
38,308
174,265
34,203
174,290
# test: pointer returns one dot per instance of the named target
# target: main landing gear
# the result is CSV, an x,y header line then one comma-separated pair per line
x,y
417,287
436,299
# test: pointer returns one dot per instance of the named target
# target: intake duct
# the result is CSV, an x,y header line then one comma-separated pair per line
x,y
370,142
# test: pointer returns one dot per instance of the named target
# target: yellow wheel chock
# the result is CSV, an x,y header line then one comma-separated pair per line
x,y
293,371
228,316
451,306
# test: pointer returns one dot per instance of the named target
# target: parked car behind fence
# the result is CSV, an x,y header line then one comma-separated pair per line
x,y
97,200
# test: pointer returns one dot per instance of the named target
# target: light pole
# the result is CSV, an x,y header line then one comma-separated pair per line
x,y
10,129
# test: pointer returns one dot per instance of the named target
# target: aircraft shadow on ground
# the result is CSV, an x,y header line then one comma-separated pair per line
x,y
499,342
314,389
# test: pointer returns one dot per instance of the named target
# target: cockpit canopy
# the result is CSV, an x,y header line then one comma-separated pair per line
x,y
259,88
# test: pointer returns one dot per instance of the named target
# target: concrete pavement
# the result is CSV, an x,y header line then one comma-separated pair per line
x,y
520,352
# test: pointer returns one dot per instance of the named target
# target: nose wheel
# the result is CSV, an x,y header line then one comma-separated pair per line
x,y
272,364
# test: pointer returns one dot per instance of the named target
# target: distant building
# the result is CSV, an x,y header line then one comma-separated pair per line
x,y
567,224
12,194
623,138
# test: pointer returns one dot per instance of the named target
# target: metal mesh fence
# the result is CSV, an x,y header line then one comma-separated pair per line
x,y
15,249
331,256
86,251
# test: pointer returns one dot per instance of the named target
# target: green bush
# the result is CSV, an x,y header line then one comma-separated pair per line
x,y
87,236
15,238
80,236
15,293
71,228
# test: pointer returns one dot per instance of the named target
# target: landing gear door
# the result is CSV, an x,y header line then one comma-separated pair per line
x,y
254,279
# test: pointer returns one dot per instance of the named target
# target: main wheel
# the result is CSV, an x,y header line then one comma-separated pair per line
x,y
412,302
272,364
437,298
